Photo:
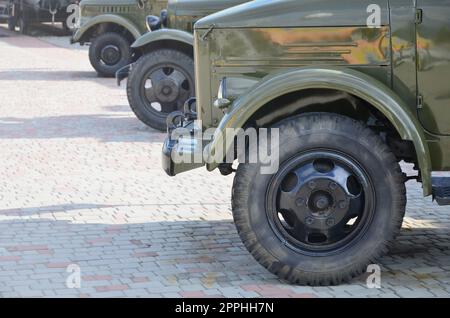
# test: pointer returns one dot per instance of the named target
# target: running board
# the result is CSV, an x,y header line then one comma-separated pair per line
x,y
441,190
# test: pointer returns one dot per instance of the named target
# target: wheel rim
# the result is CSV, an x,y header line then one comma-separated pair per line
x,y
165,88
320,202
110,54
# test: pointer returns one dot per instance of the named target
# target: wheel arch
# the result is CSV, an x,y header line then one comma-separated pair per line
x,y
165,38
375,95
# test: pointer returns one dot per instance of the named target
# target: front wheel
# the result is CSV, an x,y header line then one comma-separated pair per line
x,y
332,208
108,53
159,83
11,23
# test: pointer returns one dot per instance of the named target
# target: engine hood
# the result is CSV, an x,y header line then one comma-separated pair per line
x,y
199,7
295,13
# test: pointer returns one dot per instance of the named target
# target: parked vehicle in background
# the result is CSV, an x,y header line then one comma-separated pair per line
x,y
162,79
25,13
5,8
109,27
349,100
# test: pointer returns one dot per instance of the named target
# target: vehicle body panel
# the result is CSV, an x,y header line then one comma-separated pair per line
x,y
129,14
106,18
433,76
182,14
295,13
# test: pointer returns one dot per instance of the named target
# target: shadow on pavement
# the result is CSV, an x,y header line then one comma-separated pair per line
x,y
104,127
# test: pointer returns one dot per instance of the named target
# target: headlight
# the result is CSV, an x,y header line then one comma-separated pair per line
x,y
163,17
231,88
153,22
222,101
222,88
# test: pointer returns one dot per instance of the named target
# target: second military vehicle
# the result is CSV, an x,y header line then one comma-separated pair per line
x,y
351,88
110,26
162,79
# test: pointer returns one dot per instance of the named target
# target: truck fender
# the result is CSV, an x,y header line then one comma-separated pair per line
x,y
163,34
346,80
106,18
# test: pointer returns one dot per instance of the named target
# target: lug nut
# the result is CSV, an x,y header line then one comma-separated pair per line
x,y
333,185
309,221
342,204
311,184
300,202
330,222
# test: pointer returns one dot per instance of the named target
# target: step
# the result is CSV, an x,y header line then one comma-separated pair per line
x,y
441,190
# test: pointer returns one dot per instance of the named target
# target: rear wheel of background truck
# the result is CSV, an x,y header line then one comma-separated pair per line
x,y
108,53
23,25
332,208
159,83
12,23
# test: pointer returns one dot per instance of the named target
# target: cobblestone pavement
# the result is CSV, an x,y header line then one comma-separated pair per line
x,y
81,184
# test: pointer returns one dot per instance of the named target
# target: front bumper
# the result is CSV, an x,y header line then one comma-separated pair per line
x,y
76,35
123,73
183,148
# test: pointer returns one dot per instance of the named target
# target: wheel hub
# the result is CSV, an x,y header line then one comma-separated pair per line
x,y
323,198
110,54
319,200
167,90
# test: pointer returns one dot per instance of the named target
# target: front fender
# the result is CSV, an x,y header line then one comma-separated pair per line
x,y
164,34
106,18
347,80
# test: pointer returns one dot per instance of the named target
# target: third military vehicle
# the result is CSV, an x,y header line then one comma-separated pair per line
x,y
350,88
110,26
26,13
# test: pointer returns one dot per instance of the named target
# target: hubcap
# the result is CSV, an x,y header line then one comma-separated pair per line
x,y
319,201
165,88
110,54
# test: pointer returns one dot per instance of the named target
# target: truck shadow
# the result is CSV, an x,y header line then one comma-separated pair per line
x,y
103,127
48,75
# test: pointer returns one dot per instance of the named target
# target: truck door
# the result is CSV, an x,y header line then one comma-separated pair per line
x,y
433,64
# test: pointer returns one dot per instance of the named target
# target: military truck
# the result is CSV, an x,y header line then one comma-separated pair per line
x,y
110,26
352,89
25,13
162,79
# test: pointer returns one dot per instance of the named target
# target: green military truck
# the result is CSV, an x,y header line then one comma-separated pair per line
x,y
110,26
162,79
351,89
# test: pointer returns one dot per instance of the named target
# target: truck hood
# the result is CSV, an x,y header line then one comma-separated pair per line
x,y
199,7
295,13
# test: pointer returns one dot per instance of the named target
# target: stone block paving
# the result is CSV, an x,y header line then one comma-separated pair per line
x,y
81,184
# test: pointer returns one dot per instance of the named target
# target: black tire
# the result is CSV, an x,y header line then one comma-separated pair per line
x,y
305,263
23,25
108,53
169,64
11,23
